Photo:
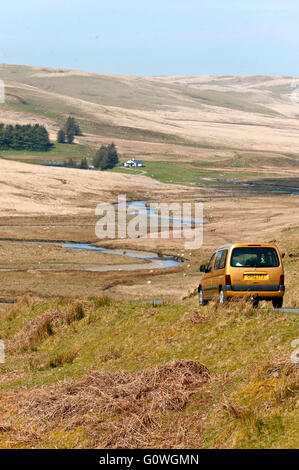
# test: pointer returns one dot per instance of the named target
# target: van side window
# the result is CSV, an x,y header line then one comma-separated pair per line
x,y
220,259
210,265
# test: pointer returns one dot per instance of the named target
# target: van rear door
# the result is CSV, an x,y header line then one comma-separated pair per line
x,y
255,265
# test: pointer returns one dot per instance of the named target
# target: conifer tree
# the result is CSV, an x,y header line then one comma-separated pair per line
x,y
84,164
72,126
61,136
70,136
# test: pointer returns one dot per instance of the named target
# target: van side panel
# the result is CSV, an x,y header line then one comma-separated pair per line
x,y
207,279
219,270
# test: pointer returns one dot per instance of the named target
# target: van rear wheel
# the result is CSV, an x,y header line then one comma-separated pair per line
x,y
201,299
222,298
277,302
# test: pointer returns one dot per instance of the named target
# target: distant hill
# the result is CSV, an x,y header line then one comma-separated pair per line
x,y
226,112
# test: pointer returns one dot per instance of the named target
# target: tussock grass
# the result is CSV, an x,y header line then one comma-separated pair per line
x,y
25,302
264,408
42,326
67,357
75,313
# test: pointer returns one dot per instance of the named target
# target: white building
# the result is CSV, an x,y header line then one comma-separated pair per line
x,y
133,162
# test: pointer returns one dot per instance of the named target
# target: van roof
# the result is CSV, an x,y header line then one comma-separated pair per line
x,y
229,245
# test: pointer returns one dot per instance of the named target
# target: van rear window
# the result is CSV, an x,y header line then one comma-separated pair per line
x,y
254,257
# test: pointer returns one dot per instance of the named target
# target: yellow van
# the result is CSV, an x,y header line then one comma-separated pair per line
x,y
254,270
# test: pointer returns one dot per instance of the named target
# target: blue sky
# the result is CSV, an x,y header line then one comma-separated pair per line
x,y
154,37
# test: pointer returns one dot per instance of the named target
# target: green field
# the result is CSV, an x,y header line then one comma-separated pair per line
x,y
193,174
167,172
58,153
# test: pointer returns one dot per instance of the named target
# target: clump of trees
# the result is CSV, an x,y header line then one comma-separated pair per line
x,y
25,137
69,131
106,157
70,163
83,165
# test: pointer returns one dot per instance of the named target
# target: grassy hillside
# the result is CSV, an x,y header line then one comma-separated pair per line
x,y
85,374
243,124
141,93
217,112
246,125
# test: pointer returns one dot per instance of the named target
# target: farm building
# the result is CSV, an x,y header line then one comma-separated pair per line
x,y
133,162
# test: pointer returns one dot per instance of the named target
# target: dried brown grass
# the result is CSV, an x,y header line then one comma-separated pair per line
x,y
121,409
240,412
234,307
279,367
195,317
41,327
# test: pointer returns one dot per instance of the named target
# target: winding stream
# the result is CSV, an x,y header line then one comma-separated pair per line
x,y
152,261
140,207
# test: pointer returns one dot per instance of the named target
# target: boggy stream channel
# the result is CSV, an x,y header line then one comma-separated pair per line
x,y
152,260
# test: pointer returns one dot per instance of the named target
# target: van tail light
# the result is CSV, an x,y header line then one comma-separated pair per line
x,y
228,280
281,281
